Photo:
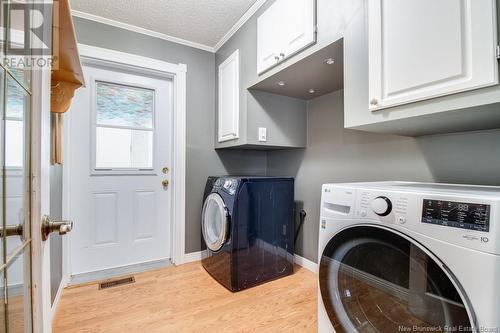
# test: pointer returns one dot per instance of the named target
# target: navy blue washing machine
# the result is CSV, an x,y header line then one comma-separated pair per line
x,y
248,228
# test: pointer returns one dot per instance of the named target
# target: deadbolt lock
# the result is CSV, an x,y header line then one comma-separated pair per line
x,y
165,170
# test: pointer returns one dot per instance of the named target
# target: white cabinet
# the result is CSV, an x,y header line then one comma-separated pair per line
x,y
421,49
229,101
284,29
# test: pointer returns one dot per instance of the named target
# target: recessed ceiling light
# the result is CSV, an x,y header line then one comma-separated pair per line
x,y
330,61
281,83
312,91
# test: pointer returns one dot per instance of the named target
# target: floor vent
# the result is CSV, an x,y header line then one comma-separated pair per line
x,y
116,283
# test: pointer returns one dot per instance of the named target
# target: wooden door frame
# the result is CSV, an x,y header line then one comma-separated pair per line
x,y
92,55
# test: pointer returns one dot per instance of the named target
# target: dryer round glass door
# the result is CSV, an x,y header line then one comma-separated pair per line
x,y
215,222
373,279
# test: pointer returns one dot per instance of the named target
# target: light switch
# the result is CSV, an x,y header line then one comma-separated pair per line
x,y
262,134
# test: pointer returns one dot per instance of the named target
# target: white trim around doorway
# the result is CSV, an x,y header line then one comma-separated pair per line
x,y
92,55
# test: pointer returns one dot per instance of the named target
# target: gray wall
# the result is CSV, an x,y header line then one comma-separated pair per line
x,y
202,160
463,158
335,154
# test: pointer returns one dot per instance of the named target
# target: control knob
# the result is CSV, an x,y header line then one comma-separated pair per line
x,y
382,206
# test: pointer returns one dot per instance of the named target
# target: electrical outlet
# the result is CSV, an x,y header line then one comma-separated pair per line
x,y
262,134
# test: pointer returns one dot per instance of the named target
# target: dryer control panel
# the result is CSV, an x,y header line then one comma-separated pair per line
x,y
461,215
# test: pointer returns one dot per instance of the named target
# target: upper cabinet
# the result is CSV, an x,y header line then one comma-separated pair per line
x,y
422,49
285,28
229,102
422,67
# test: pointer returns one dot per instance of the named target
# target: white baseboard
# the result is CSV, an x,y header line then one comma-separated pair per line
x,y
118,271
306,263
194,256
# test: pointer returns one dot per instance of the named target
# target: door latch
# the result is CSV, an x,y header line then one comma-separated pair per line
x,y
49,226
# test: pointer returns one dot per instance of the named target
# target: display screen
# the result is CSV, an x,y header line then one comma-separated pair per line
x,y
457,214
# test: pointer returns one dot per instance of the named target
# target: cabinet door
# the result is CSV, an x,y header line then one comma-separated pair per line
x,y
298,26
269,37
420,49
285,28
229,101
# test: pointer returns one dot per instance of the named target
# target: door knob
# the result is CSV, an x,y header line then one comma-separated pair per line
x,y
165,183
11,230
49,226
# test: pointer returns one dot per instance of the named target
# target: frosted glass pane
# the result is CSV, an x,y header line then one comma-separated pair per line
x,y
119,105
123,148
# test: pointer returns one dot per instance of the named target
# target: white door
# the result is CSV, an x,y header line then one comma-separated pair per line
x,y
420,49
119,152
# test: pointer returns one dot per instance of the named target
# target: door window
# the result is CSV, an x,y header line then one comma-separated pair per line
x,y
214,222
373,280
124,133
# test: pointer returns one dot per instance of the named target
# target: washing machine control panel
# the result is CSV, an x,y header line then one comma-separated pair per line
x,y
463,215
455,219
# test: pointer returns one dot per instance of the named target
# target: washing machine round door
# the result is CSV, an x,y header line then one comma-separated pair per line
x,y
215,222
374,279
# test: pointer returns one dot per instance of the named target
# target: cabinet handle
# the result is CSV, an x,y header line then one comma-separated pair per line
x,y
374,101
277,58
282,55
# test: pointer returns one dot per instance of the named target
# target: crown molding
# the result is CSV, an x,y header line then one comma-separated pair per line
x,y
248,14
140,30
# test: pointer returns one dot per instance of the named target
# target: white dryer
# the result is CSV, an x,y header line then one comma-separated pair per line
x,y
409,257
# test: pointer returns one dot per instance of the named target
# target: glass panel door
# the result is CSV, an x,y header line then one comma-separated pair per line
x,y
15,189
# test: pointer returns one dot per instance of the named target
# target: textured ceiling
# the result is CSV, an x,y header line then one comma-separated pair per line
x,y
200,21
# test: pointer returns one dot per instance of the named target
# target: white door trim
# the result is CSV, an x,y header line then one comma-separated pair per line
x,y
92,55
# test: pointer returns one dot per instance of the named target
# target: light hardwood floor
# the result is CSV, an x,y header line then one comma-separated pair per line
x,y
187,299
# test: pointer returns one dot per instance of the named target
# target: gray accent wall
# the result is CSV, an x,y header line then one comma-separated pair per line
x,y
202,159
